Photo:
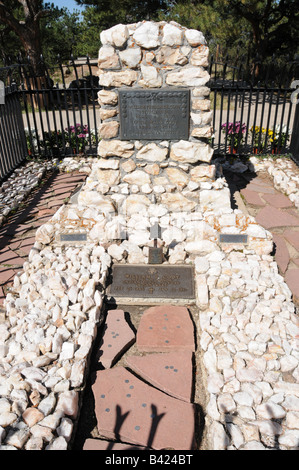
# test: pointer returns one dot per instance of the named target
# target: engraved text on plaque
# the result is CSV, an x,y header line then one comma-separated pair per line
x,y
154,114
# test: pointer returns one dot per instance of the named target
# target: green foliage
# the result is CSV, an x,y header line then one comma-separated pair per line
x,y
238,27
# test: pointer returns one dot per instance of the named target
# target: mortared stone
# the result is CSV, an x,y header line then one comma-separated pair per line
x,y
164,329
118,336
170,372
131,411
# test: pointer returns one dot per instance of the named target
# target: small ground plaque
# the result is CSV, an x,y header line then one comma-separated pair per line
x,y
233,238
153,282
73,237
154,114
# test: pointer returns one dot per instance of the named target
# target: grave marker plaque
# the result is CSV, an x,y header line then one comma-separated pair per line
x,y
73,237
154,114
233,238
153,282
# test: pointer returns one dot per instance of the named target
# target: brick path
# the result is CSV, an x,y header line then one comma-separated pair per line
x,y
275,212
126,406
17,236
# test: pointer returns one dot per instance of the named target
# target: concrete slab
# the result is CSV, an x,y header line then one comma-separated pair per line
x,y
270,217
280,201
292,280
282,256
164,329
133,412
118,336
171,373
252,197
292,236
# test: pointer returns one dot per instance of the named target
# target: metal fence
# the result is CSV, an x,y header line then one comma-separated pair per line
x,y
253,111
60,110
13,148
58,114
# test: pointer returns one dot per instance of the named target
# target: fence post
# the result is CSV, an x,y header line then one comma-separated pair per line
x,y
294,146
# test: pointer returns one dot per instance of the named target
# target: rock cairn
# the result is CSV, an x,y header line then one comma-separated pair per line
x,y
248,330
20,184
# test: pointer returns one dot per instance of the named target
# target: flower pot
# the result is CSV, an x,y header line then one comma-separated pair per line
x,y
232,150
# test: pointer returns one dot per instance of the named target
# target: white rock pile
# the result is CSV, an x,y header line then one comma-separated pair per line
x,y
285,175
20,184
52,319
248,329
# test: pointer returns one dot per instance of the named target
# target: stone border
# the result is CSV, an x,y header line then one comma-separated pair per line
x,y
248,335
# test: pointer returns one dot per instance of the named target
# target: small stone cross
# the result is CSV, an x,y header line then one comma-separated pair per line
x,y
155,232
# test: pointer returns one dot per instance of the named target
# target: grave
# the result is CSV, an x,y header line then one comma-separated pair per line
x,y
144,284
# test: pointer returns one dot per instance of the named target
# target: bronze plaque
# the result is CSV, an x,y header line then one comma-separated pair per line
x,y
155,255
233,238
154,282
73,237
154,114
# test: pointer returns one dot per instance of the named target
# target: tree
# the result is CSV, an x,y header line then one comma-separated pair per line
x,y
108,13
23,18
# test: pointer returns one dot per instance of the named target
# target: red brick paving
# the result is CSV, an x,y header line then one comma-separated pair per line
x,y
280,201
17,236
165,328
171,373
252,197
118,337
292,279
271,217
277,214
133,412
282,255
292,237
101,444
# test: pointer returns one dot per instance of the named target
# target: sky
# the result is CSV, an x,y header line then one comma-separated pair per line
x,y
70,4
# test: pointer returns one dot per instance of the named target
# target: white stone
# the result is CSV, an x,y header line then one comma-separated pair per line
x,y
191,152
194,37
147,35
150,77
116,251
290,438
172,36
57,444
94,199
201,247
107,57
192,76
218,436
215,200
152,153
65,429
68,403
45,234
116,36
67,351
270,410
131,57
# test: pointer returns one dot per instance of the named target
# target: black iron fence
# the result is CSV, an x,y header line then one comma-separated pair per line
x,y
61,109
253,112
13,148
58,114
